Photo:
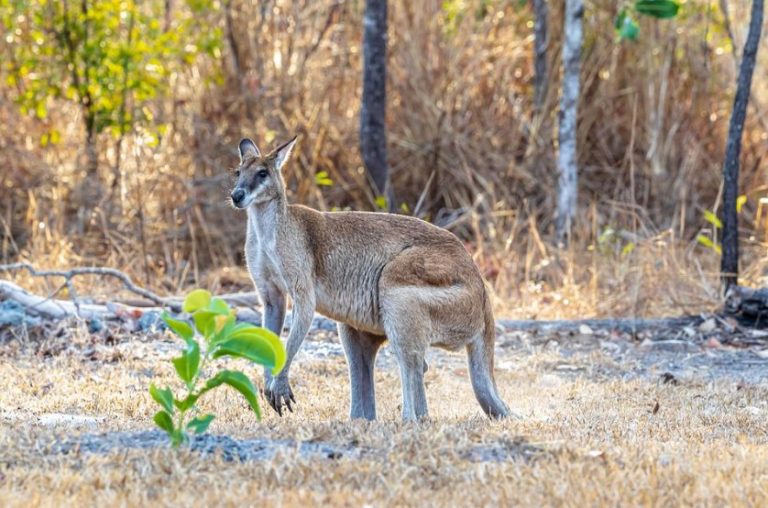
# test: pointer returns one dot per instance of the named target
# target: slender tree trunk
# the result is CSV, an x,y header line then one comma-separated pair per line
x,y
373,135
730,260
233,45
167,15
567,157
540,44
91,152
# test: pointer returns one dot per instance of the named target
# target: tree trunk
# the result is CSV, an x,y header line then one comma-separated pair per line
x,y
729,266
567,158
234,47
540,44
373,135
91,152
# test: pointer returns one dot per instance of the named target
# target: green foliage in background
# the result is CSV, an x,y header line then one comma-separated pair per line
x,y
717,225
627,27
222,336
111,57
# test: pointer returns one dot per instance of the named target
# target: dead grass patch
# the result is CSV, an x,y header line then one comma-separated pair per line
x,y
604,441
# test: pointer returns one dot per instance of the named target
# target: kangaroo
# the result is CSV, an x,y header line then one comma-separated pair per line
x,y
380,276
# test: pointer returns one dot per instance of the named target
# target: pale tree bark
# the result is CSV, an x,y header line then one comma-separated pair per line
x,y
730,259
540,44
567,162
373,134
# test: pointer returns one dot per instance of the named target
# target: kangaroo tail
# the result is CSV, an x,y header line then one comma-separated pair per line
x,y
480,355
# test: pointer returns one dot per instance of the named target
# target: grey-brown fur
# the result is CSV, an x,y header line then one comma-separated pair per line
x,y
381,276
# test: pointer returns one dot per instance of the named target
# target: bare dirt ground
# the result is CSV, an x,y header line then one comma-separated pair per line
x,y
679,417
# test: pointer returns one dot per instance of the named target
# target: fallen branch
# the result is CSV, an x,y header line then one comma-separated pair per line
x,y
109,272
56,309
624,325
47,307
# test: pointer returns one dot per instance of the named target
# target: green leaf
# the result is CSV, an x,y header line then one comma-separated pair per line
x,y
186,403
256,344
181,328
249,348
197,299
164,421
740,202
628,248
187,364
163,397
239,382
322,179
619,21
707,242
710,217
629,29
381,202
40,111
205,322
200,424
661,9
223,332
219,307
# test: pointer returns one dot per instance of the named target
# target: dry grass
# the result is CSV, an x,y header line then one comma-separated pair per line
x,y
601,441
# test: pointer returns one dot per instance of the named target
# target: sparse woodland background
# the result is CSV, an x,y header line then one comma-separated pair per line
x,y
467,148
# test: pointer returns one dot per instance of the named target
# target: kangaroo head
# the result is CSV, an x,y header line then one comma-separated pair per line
x,y
258,177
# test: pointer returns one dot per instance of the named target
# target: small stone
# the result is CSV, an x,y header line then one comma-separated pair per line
x,y
585,330
713,343
150,321
708,326
95,325
668,377
550,381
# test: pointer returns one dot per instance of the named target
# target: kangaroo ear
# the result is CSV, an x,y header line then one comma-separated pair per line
x,y
283,152
248,148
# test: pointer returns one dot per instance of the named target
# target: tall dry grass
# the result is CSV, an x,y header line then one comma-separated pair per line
x,y
466,150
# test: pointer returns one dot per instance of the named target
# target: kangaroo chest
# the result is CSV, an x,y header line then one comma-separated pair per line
x,y
263,257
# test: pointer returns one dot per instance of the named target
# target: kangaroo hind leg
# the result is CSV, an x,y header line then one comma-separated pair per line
x,y
360,348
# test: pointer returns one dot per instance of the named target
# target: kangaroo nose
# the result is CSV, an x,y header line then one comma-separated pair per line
x,y
237,195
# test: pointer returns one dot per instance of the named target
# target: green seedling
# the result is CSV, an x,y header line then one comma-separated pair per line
x,y
222,336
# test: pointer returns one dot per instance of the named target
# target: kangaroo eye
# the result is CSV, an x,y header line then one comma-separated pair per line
x,y
237,172
263,173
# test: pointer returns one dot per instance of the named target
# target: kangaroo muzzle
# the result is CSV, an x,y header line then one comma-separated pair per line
x,y
238,196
